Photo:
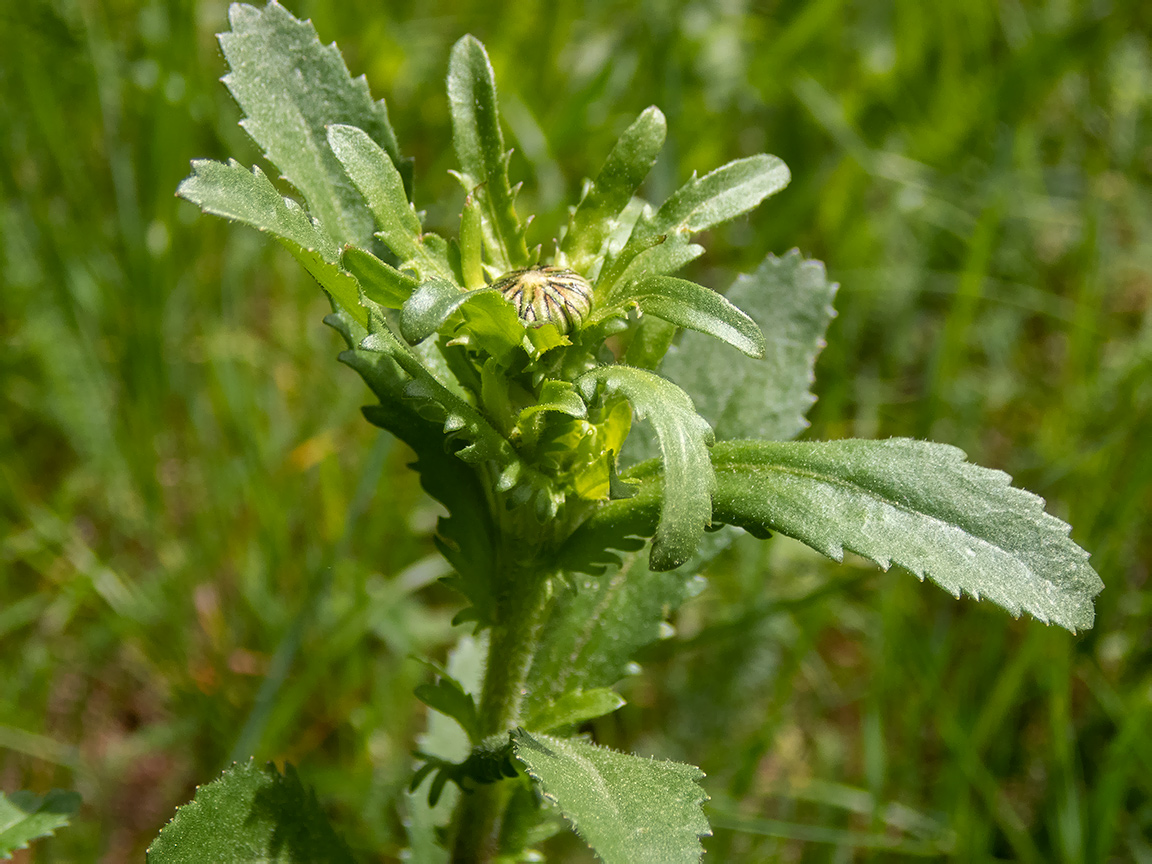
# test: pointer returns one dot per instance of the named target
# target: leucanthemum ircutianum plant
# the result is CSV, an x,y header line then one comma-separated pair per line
x,y
585,416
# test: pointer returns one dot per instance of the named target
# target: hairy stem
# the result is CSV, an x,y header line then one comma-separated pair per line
x,y
511,647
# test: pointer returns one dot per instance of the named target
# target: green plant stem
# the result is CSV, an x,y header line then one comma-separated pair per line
x,y
510,650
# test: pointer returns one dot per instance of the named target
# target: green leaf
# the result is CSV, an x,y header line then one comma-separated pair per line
x,y
916,504
234,192
684,438
687,304
596,628
479,146
290,87
25,817
629,809
382,283
575,706
557,396
791,299
381,185
431,304
627,166
252,815
701,203
448,697
723,194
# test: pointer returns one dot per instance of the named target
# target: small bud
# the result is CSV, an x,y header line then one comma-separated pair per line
x,y
544,295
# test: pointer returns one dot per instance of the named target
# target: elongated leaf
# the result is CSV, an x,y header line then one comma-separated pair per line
x,y
596,628
450,699
701,203
234,192
382,283
695,307
627,166
791,300
573,707
25,817
479,145
720,195
252,815
630,810
684,438
915,504
373,173
290,87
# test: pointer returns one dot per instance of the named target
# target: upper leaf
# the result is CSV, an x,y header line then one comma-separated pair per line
x,y
25,817
695,307
234,192
629,809
252,815
479,145
699,204
684,438
743,397
916,504
623,172
290,87
720,195
373,173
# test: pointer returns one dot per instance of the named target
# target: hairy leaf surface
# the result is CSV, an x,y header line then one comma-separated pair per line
x,y
623,172
290,87
684,438
695,307
630,809
916,504
25,817
373,173
479,145
253,814
744,397
234,192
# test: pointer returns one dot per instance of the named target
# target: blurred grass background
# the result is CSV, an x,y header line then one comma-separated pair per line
x,y
206,552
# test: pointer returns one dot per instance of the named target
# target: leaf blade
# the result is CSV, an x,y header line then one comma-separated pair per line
x,y
627,165
25,817
479,146
250,815
629,809
790,298
916,504
684,438
232,191
695,307
290,87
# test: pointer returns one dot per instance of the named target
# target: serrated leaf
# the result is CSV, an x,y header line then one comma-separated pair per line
x,y
916,504
479,146
464,537
596,628
234,192
790,298
623,172
25,817
373,173
629,809
695,307
290,87
252,815
382,283
575,706
684,438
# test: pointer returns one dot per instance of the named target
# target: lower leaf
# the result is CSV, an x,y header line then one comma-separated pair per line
x,y
629,809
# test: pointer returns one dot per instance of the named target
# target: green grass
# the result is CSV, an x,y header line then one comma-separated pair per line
x,y
203,547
